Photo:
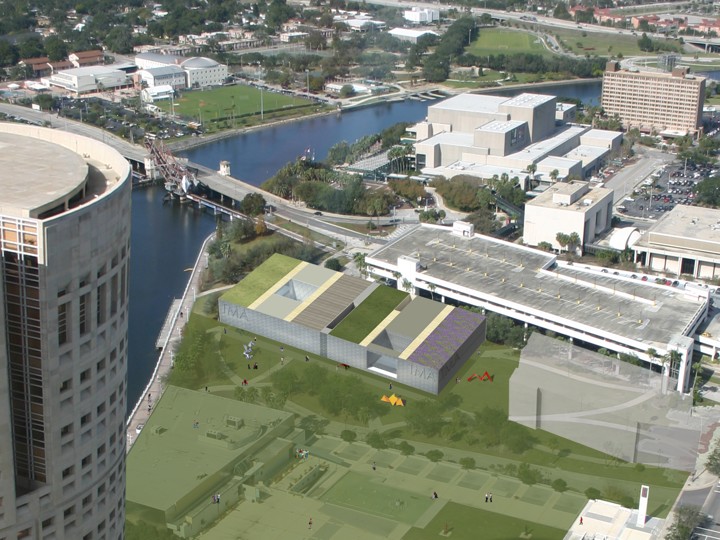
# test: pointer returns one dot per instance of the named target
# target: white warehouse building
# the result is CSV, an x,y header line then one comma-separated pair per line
x,y
199,71
418,15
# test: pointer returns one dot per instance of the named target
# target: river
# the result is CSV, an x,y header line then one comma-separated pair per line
x,y
166,238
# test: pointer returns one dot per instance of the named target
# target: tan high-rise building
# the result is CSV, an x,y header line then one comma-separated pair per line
x,y
65,245
665,103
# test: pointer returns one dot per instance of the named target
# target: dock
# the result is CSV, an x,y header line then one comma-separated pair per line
x,y
167,325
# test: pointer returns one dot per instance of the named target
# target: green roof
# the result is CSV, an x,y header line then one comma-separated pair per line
x,y
371,312
257,282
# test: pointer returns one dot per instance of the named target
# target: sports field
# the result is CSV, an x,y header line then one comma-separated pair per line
x,y
230,101
500,41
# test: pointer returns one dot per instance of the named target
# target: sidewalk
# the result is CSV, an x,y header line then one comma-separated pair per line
x,y
155,388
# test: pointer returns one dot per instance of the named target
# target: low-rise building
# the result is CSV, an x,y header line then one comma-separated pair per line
x,y
171,75
568,208
418,15
407,34
685,240
200,71
89,79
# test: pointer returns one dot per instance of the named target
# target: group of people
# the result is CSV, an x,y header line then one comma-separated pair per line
x,y
216,498
488,497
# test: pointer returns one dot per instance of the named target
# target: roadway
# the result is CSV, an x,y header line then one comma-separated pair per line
x,y
629,177
230,187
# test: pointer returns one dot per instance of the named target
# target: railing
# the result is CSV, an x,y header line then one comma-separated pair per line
x,y
167,339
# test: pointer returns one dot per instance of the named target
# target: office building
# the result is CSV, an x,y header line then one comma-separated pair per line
x,y
65,246
568,208
669,104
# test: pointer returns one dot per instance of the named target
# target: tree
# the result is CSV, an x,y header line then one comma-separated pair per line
x,y
260,226
333,264
545,246
347,90
574,241
348,435
31,48
120,39
315,41
561,12
432,287
467,463
406,449
253,204
8,53
713,461
708,192
562,239
686,519
559,485
407,285
434,455
645,43
376,440
554,175
55,48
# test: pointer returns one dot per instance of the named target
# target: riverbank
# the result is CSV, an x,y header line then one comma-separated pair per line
x,y
347,106
196,142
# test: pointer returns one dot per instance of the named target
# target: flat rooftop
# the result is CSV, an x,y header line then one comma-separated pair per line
x,y
499,126
471,103
37,174
544,147
585,200
689,222
526,278
529,101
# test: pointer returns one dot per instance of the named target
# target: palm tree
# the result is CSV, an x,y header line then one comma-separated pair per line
x,y
554,175
360,264
575,240
431,288
562,239
406,284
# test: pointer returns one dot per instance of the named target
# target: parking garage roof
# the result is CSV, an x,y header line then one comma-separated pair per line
x,y
529,280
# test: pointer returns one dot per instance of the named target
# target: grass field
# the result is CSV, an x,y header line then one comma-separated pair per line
x,y
254,285
579,466
360,322
230,101
361,492
595,43
500,41
466,522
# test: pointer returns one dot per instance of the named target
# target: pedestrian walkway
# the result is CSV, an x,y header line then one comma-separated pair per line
x,y
166,359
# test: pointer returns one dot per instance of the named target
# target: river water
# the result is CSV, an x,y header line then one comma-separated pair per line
x,y
166,238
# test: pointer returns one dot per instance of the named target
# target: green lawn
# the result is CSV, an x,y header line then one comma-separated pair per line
x,y
230,101
361,321
256,283
579,466
502,41
466,522
371,495
596,43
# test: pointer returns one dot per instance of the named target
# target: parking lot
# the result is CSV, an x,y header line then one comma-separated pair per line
x,y
660,192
